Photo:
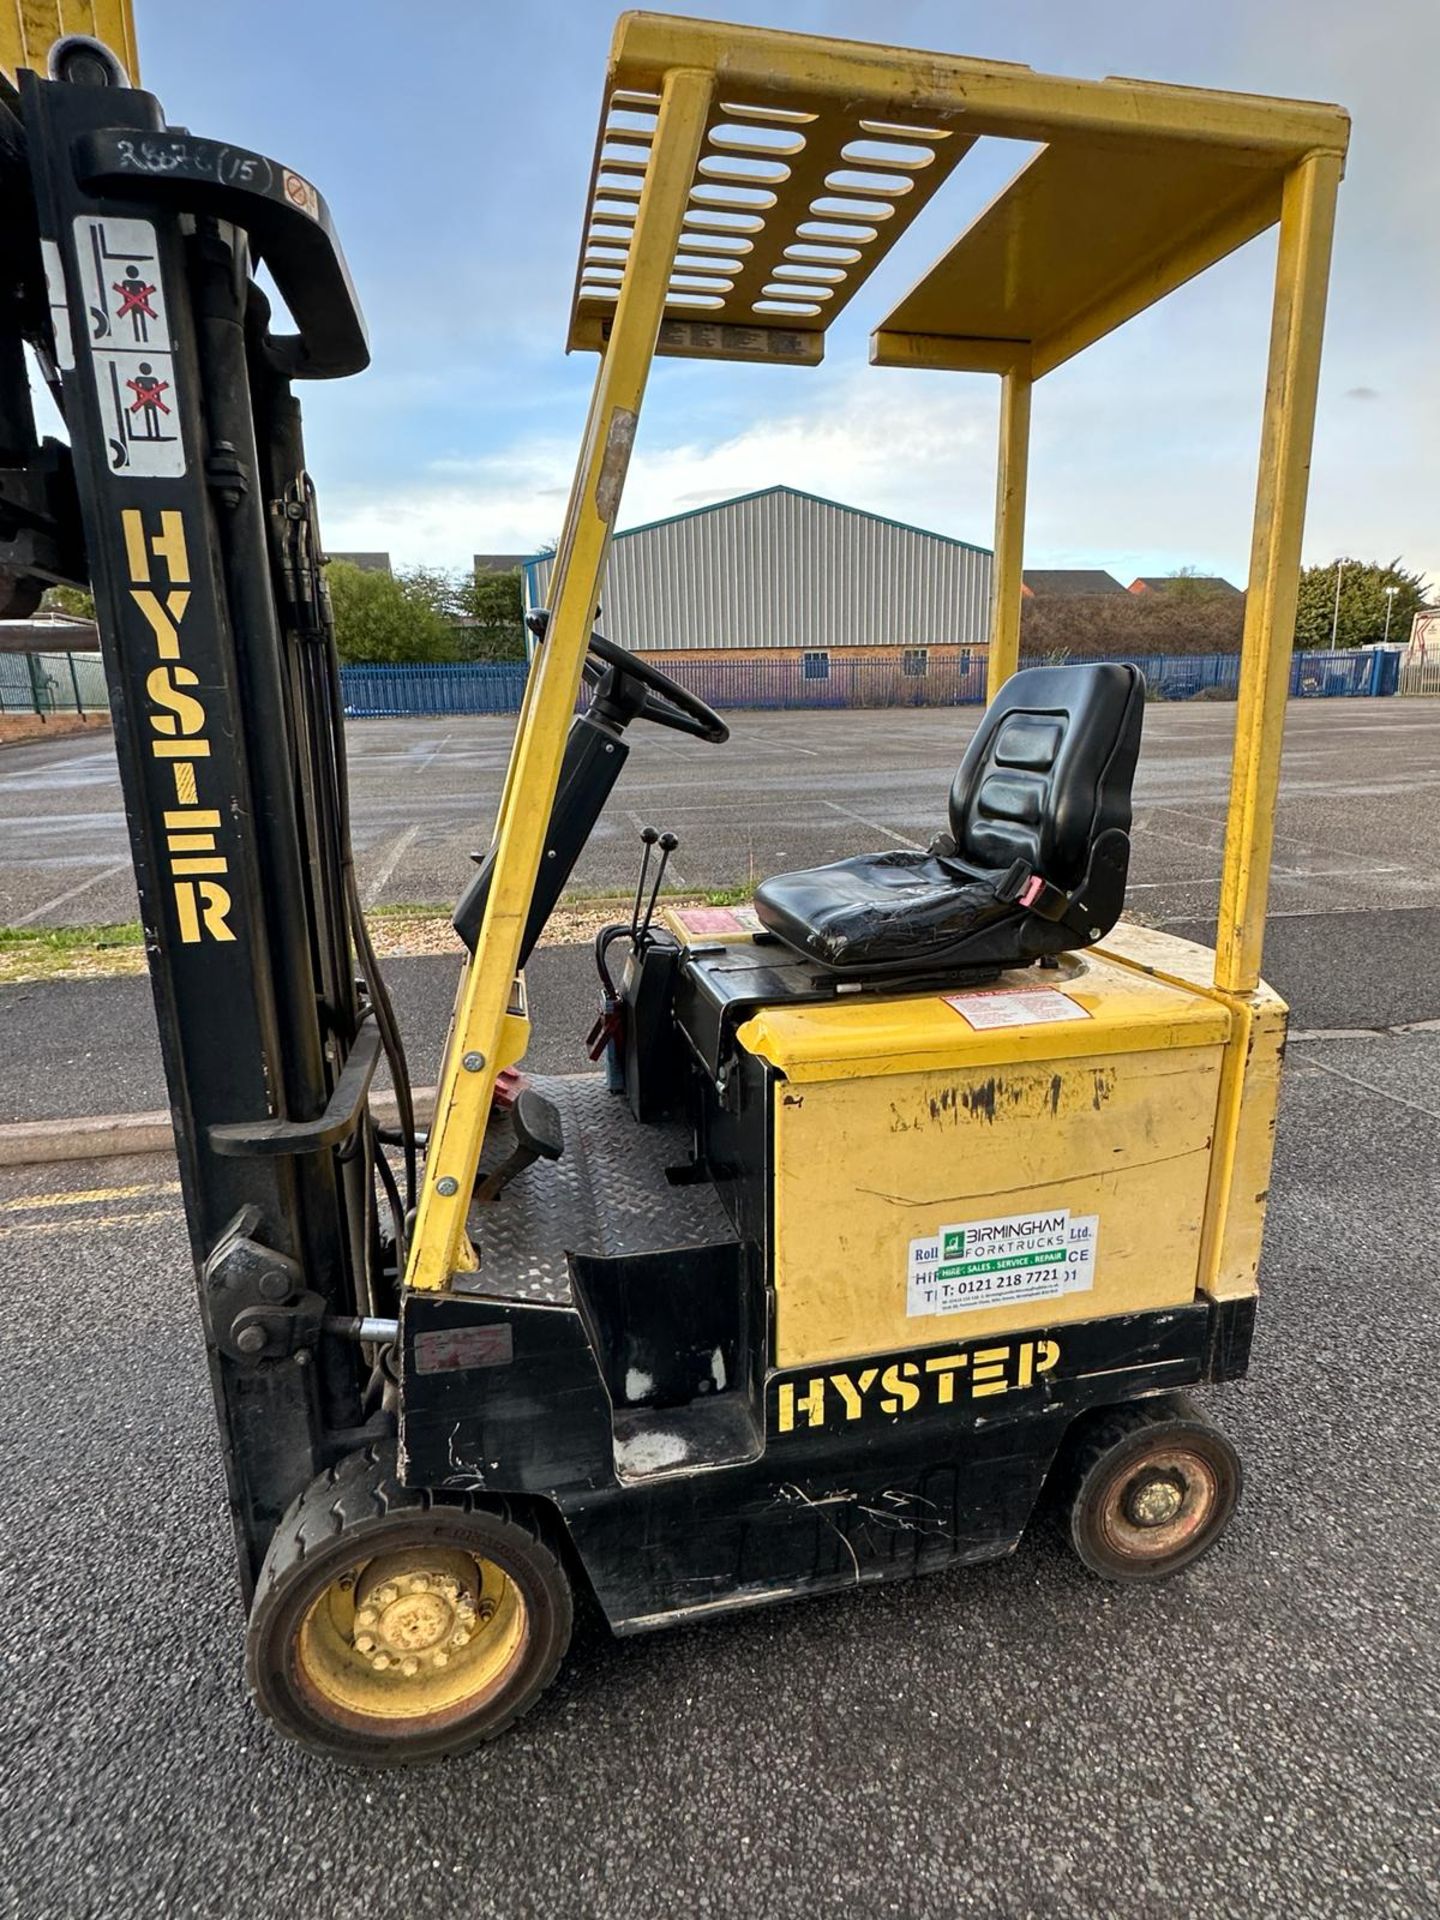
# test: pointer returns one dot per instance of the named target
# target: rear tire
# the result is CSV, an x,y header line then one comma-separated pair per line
x,y
1152,1486
390,1627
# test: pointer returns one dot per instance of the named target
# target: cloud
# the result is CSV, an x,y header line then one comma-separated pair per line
x,y
917,457
1362,393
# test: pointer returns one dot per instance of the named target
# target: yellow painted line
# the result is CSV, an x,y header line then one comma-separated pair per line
x,y
92,1196
90,1225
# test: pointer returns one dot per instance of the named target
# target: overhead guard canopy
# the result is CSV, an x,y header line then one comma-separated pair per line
x,y
818,154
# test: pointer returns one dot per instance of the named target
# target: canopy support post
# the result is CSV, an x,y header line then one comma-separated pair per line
x,y
1302,270
473,1050
1008,580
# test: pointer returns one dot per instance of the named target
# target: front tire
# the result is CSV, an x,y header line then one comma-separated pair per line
x,y
391,1627
1152,1487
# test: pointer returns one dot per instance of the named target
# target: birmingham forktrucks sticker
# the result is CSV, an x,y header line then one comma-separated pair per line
x,y
1002,1263
130,344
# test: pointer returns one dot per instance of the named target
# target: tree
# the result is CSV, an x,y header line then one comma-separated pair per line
x,y
385,617
69,600
1195,589
1363,601
433,587
496,603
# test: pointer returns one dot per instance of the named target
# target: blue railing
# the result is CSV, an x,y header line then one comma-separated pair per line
x,y
498,686
464,686
52,683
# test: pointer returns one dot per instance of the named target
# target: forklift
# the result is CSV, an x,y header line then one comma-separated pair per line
x,y
907,1199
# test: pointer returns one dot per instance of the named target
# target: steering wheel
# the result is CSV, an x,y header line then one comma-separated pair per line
x,y
664,702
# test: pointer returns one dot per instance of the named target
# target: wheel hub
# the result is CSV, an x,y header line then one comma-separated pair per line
x,y
1155,1500
415,1611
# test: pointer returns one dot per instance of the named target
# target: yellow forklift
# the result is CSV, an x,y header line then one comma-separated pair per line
x,y
913,1194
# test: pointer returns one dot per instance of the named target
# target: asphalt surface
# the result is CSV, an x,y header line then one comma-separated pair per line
x,y
74,1047
1355,826
1259,1737
1354,939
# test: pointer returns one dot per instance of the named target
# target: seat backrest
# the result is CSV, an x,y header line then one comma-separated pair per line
x,y
1050,769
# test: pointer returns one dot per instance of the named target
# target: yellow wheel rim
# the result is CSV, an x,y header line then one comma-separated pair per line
x,y
423,1636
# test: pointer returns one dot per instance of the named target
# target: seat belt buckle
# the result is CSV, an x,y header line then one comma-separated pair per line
x,y
1021,886
1039,897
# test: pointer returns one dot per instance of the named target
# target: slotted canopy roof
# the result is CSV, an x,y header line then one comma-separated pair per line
x,y
818,154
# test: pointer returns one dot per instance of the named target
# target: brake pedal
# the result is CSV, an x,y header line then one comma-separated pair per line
x,y
539,1135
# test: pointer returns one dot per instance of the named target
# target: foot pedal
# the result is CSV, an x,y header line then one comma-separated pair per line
x,y
539,1135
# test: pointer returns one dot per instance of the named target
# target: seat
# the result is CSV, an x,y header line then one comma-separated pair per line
x,y
1036,858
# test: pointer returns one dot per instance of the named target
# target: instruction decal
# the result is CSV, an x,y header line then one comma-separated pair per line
x,y
1000,1263
1017,1007
130,345
714,920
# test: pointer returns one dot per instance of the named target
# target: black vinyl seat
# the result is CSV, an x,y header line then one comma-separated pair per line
x,y
1036,858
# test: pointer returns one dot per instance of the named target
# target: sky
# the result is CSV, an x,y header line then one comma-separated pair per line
x,y
452,139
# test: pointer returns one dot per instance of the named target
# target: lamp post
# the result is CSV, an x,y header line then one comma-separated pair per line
x,y
1390,593
1335,615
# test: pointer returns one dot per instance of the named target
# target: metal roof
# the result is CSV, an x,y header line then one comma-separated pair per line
x,y
49,633
1070,583
818,154
795,493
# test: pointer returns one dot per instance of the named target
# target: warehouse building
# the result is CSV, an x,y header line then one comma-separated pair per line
x,y
783,578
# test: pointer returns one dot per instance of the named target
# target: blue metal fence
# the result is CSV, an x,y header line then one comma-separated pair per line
x,y
53,683
831,680
464,686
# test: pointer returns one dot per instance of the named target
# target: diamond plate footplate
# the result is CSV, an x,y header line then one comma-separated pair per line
x,y
606,1195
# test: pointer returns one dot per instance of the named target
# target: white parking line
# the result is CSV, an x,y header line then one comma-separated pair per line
x,y
70,893
400,846
1381,1093
874,826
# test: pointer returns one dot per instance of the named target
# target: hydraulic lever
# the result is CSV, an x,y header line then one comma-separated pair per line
x,y
668,844
648,837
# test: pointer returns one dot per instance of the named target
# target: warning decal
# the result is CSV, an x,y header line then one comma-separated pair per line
x,y
130,344
1019,1007
1004,1262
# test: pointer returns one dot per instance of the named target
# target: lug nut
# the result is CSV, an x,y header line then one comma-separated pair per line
x,y
250,1339
408,1667
386,1596
380,1662
368,1617
440,1658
